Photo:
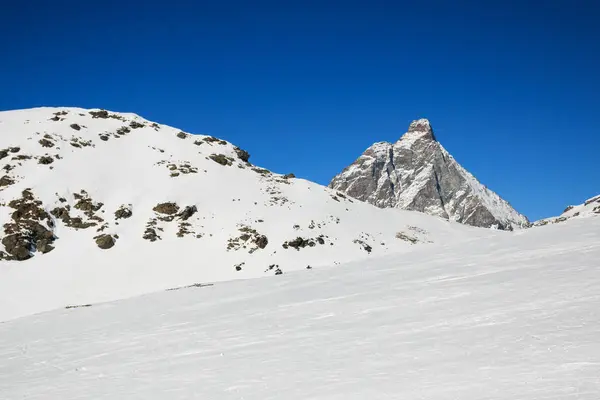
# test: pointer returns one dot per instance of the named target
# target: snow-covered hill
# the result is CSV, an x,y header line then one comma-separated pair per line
x,y
103,205
417,173
516,317
590,208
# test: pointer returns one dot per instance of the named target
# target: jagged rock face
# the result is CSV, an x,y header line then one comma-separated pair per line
x,y
417,173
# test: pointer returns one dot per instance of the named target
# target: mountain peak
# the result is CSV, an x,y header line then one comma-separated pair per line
x,y
417,173
421,127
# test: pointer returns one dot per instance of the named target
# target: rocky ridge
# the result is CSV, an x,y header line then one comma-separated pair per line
x,y
589,208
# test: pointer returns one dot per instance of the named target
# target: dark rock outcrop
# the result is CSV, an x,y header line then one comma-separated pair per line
x,y
123,213
166,208
187,212
105,241
242,154
29,230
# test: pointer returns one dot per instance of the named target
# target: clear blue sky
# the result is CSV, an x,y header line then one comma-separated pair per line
x,y
512,88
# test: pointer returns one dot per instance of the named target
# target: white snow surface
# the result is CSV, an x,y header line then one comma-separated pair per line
x,y
513,317
133,170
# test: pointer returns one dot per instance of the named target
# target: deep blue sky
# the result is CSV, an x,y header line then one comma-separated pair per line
x,y
511,88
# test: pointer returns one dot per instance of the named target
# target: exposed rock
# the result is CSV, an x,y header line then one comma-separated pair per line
x,y
6,181
184,229
87,204
123,212
105,241
261,171
238,267
124,130
18,246
212,139
275,267
220,159
63,214
188,212
595,199
300,243
150,234
136,125
406,238
60,212
46,143
99,114
249,239
166,208
289,176
75,126
182,135
417,173
78,223
44,246
261,241
366,247
242,154
103,137
25,233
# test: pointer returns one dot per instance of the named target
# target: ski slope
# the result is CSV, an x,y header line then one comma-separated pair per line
x,y
513,317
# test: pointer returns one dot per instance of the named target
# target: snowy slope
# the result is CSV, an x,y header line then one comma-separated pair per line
x,y
590,208
515,318
71,175
417,173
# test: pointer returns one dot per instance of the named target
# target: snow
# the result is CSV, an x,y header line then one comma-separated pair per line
x,y
516,316
133,170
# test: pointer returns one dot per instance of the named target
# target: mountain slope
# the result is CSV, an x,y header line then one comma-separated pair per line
x,y
102,205
590,208
511,318
417,173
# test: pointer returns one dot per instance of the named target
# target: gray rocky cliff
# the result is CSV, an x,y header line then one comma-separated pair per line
x,y
417,173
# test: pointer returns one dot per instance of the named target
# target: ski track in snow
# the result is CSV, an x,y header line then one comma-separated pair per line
x,y
516,317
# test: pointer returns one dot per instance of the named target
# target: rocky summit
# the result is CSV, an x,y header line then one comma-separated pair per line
x,y
417,173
